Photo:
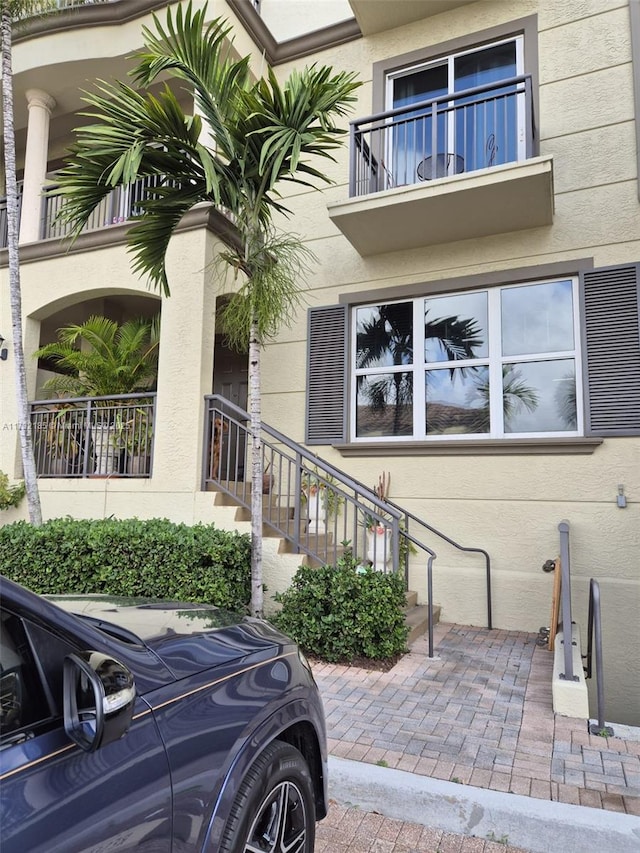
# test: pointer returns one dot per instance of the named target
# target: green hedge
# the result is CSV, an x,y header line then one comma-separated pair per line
x,y
345,612
154,558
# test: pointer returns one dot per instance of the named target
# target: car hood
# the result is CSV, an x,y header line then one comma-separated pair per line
x,y
187,637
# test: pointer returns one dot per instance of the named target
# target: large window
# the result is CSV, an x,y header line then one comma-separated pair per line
x,y
491,363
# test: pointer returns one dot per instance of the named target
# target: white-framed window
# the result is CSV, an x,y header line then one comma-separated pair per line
x,y
499,362
459,133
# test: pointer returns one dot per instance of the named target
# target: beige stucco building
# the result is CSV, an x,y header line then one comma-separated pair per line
x,y
483,223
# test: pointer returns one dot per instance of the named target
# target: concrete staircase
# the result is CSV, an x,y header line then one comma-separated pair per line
x,y
280,556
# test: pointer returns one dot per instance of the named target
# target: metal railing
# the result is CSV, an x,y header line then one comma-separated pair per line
x,y
594,635
477,128
313,505
119,206
4,223
94,436
566,622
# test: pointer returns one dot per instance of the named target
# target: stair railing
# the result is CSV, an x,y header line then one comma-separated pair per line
x,y
594,635
565,603
313,505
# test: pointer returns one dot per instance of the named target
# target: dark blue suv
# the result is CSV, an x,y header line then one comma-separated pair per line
x,y
159,727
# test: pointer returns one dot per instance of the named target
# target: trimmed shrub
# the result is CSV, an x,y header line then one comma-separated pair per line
x,y
154,558
345,612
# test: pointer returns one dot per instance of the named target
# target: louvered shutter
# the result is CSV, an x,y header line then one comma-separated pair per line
x,y
327,375
611,300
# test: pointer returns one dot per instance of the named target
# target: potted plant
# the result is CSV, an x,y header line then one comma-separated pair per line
x,y
322,499
378,543
314,495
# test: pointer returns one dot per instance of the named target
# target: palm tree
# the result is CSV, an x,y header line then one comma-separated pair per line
x,y
258,134
11,11
115,359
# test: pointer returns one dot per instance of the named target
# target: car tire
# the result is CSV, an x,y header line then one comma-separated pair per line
x,y
274,809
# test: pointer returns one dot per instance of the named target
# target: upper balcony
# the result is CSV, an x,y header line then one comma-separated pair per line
x,y
120,205
376,16
455,167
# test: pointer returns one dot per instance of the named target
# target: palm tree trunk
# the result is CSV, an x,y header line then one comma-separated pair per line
x,y
24,425
255,410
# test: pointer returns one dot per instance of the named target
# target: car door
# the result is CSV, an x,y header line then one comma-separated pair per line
x,y
55,797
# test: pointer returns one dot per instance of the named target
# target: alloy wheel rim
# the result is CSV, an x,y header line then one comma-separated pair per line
x,y
281,823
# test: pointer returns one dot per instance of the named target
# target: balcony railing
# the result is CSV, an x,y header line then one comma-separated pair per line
x,y
120,205
466,131
94,436
4,223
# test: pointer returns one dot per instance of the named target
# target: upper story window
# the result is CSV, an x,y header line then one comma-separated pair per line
x,y
489,363
457,107
463,120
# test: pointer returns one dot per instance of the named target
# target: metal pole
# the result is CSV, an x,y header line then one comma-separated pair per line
x,y
567,624
430,602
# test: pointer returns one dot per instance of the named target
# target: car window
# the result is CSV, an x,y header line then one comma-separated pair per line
x,y
24,703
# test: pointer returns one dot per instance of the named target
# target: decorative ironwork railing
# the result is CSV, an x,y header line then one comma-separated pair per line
x,y
465,131
94,436
317,508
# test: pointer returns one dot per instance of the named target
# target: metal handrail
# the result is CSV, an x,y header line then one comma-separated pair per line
x,y
565,601
410,517
594,632
293,468
486,136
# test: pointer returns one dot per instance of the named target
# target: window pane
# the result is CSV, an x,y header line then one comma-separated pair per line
x,y
384,335
456,327
485,66
487,123
411,141
540,396
457,401
384,404
537,318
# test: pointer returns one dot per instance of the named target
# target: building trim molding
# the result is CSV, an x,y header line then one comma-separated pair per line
x,y
122,11
201,216
477,447
470,282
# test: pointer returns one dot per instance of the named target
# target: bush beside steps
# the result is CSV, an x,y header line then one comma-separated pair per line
x,y
345,613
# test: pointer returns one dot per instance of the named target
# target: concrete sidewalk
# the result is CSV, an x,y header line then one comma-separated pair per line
x,y
479,718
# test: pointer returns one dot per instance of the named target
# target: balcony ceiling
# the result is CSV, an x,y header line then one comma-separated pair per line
x,y
478,204
375,16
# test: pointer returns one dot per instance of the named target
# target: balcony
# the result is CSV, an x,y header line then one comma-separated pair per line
x,y
119,206
456,167
376,16
94,436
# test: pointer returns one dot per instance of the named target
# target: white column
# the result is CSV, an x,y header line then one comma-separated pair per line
x,y
40,105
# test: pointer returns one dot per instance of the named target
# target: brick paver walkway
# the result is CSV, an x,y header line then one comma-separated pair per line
x,y
479,714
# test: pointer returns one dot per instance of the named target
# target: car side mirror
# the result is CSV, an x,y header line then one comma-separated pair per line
x,y
98,696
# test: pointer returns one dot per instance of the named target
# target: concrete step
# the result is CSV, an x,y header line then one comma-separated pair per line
x,y
417,618
411,599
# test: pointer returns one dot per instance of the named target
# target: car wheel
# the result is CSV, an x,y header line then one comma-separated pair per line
x,y
274,809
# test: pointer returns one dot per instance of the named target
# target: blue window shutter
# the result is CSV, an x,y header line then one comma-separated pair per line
x,y
611,305
327,375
